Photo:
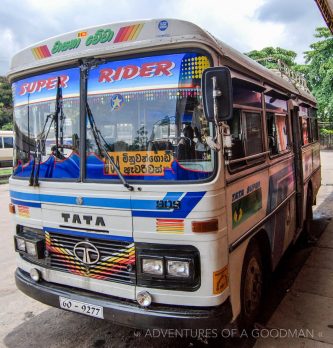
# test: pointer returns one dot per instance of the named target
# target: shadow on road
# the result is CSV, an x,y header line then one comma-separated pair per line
x,y
56,328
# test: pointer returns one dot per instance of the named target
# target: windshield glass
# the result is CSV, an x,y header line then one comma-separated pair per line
x,y
35,125
149,113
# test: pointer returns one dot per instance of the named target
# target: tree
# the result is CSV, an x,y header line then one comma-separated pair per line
x,y
319,72
6,108
269,57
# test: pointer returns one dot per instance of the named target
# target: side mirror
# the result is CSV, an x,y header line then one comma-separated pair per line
x,y
217,94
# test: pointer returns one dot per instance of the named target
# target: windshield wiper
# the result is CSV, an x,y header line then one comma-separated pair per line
x,y
39,150
102,148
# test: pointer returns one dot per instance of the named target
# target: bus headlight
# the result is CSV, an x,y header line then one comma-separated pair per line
x,y
19,244
153,266
31,248
166,266
30,242
178,268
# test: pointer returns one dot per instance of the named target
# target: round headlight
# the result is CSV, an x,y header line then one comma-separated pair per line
x,y
144,298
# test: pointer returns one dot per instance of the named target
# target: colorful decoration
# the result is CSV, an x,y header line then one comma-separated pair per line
x,y
116,101
128,33
41,52
103,269
173,226
193,67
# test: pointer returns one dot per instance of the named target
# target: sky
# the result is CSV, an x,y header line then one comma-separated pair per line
x,y
244,24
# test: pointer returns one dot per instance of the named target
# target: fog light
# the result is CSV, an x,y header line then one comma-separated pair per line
x,y
152,266
178,268
31,248
20,244
34,274
144,298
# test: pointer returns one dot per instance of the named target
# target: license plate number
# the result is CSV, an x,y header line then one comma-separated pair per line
x,y
81,307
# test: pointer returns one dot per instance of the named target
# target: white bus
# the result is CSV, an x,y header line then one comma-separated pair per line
x,y
6,148
159,175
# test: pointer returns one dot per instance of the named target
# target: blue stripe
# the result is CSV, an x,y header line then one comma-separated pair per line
x,y
151,204
26,204
88,234
88,201
139,207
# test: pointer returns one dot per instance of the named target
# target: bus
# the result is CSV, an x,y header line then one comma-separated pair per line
x,y
6,148
159,174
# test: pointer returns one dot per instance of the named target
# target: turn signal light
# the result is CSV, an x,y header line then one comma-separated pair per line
x,y
12,208
205,226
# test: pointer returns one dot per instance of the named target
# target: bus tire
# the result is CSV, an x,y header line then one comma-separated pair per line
x,y
252,286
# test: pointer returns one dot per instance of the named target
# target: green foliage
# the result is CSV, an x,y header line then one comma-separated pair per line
x,y
318,69
319,72
325,132
6,108
269,56
8,126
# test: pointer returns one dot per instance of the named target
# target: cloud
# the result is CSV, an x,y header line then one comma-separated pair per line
x,y
298,18
243,24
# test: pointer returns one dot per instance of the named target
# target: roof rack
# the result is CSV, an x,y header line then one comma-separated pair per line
x,y
284,71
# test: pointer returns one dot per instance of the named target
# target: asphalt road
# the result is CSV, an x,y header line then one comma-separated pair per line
x,y
25,322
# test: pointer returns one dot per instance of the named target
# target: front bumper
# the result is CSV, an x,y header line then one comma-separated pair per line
x,y
128,313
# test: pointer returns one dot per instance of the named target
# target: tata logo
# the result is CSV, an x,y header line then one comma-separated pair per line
x,y
86,253
87,219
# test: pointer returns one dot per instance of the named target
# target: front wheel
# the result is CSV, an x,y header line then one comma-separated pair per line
x,y
251,286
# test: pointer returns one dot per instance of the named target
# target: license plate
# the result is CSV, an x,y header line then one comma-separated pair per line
x,y
81,307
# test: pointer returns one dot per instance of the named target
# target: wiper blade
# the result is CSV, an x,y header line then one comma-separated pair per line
x,y
102,148
39,150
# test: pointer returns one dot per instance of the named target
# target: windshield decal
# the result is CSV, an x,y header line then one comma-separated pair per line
x,y
137,74
140,163
42,88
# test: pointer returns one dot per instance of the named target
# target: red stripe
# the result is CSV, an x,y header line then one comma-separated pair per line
x,y
120,32
46,51
129,32
124,33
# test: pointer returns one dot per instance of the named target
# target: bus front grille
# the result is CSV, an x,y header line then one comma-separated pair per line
x,y
113,261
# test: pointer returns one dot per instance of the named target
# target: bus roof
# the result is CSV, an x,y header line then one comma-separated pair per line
x,y
130,37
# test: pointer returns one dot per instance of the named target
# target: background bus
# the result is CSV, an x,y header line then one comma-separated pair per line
x,y
6,148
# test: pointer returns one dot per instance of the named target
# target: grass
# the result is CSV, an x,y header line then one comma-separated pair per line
x,y
6,171
3,172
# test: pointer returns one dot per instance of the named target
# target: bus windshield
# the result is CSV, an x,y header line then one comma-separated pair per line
x,y
147,111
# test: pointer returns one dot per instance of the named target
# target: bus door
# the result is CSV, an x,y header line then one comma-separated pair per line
x,y
297,148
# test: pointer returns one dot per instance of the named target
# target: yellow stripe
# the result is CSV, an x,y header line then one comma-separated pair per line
x,y
38,52
171,232
137,31
34,53
133,31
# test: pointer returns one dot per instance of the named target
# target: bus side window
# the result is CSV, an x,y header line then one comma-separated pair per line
x,y
236,132
277,131
246,130
8,142
305,130
314,129
1,146
253,133
271,133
